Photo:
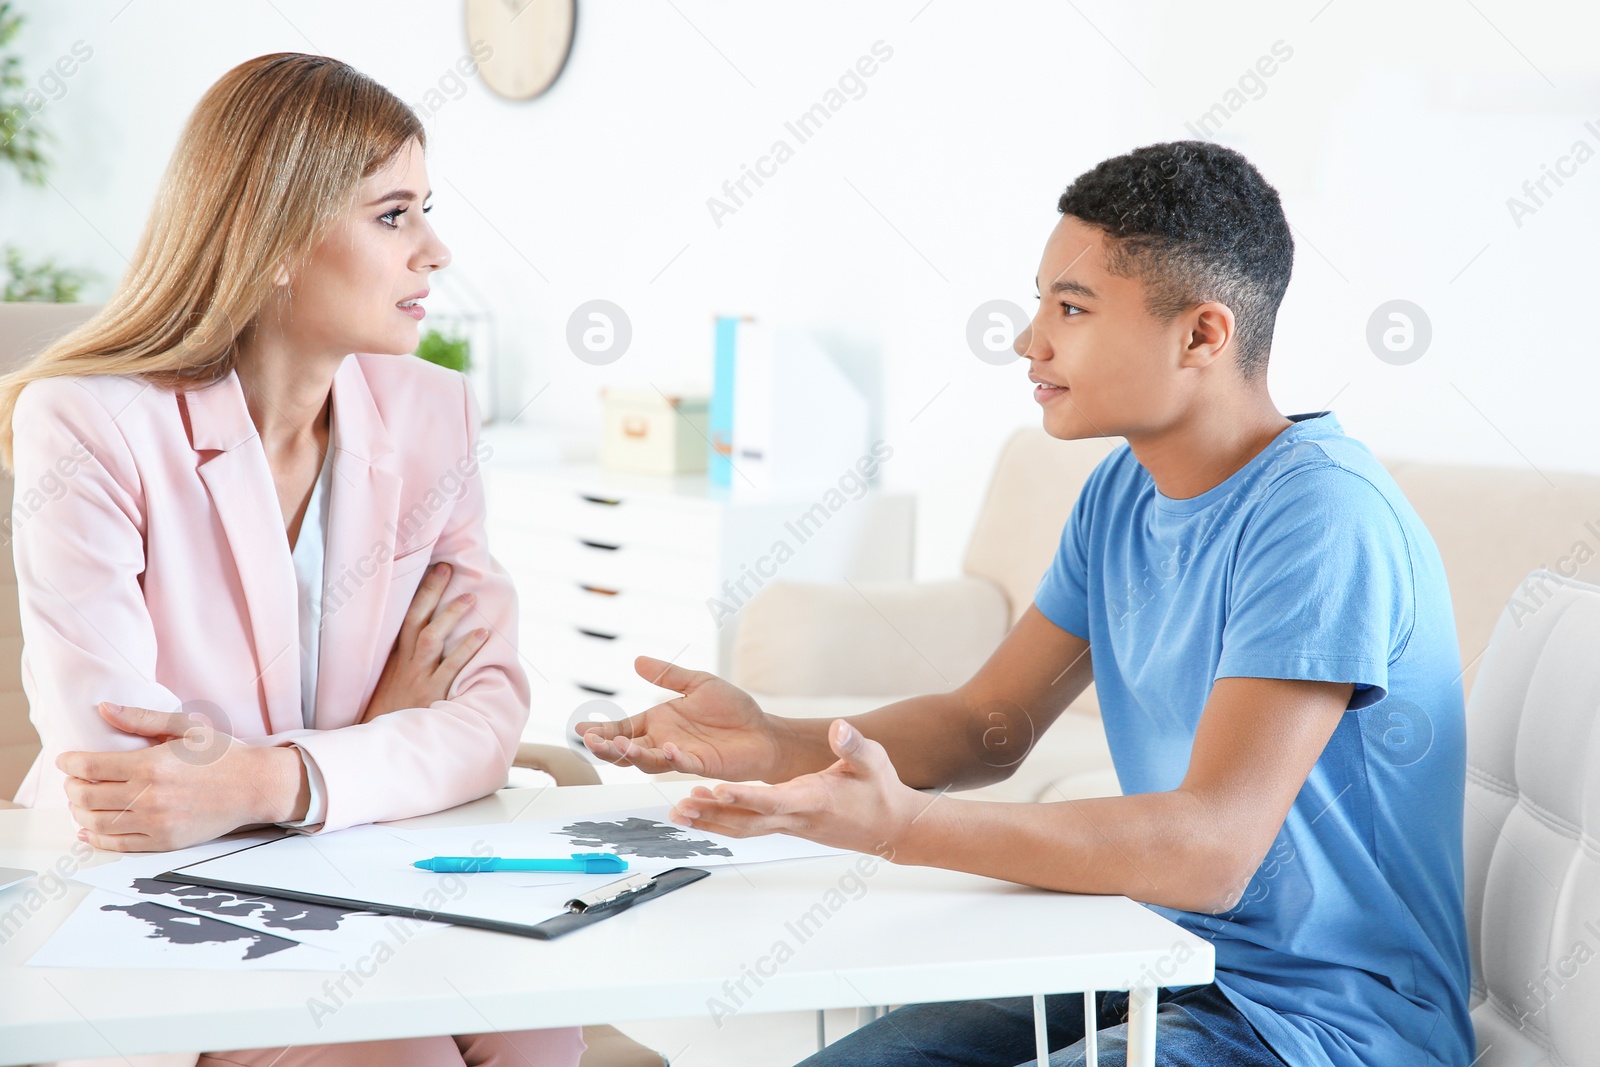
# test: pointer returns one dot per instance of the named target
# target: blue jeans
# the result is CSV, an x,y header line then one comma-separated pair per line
x,y
1196,1026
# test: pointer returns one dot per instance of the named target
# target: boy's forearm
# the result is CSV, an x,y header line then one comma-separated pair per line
x,y
930,739
1159,848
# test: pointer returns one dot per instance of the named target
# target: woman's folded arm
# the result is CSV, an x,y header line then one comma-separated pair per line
x,y
413,761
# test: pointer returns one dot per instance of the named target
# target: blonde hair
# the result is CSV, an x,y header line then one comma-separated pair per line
x,y
271,157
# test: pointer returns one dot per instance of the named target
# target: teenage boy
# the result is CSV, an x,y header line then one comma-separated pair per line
x,y
1270,632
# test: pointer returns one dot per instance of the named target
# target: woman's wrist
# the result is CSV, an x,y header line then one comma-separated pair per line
x,y
280,786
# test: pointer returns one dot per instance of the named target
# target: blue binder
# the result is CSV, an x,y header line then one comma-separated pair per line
x,y
719,429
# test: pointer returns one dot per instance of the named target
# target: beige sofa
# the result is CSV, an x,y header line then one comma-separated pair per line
x,y
824,650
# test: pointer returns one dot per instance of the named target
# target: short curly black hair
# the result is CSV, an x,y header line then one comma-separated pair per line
x,y
1195,222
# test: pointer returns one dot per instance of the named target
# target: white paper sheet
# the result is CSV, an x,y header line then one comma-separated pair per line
x,y
642,836
374,863
108,930
338,929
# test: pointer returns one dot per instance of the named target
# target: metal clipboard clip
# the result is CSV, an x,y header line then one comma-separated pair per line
x,y
610,894
609,900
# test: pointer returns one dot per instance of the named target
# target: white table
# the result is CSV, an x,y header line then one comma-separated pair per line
x,y
914,934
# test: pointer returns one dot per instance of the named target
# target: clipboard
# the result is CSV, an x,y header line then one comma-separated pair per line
x,y
578,916
592,907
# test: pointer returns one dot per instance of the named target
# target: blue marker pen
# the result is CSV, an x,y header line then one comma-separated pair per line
x,y
582,862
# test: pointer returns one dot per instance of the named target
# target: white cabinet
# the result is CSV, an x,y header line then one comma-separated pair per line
x,y
610,566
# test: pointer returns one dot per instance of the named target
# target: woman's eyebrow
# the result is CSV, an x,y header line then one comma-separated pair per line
x,y
399,194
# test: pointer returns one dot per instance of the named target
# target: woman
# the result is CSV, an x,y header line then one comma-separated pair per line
x,y
229,616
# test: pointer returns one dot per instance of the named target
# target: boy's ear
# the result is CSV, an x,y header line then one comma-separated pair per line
x,y
1208,331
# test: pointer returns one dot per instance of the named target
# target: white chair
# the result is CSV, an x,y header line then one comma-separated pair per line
x,y
1532,824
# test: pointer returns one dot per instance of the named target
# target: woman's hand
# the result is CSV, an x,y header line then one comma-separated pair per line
x,y
418,670
197,784
858,803
713,729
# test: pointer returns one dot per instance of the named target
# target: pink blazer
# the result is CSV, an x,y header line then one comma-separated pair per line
x,y
154,571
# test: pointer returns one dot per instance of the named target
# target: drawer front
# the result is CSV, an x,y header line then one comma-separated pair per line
x,y
607,564
598,516
595,664
617,612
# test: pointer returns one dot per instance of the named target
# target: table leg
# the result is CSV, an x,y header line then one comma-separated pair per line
x,y
1041,1032
1091,1031
822,1031
1142,1027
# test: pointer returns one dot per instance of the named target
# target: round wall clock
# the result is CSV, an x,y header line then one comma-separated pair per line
x,y
527,43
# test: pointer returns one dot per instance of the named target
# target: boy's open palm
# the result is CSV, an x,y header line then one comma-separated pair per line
x,y
713,729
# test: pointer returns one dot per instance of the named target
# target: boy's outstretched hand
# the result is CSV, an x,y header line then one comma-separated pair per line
x,y
713,729
858,803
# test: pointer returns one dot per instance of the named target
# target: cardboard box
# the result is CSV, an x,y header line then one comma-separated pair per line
x,y
648,432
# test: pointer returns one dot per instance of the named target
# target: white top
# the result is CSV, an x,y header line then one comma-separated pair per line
x,y
309,550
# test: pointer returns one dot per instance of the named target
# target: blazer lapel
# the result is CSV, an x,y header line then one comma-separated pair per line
x,y
242,490
363,506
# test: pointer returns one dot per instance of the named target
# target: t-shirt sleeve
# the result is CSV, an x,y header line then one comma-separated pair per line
x,y
1322,587
1063,592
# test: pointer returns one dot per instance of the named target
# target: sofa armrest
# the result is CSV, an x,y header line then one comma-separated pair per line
x,y
867,639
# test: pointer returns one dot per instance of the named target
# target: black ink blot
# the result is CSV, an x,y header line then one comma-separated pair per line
x,y
642,837
271,911
182,928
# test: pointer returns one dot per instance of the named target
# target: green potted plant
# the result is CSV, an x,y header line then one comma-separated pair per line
x,y
43,281
21,142
447,350
22,146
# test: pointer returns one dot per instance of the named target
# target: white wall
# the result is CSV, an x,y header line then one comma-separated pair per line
x,y
1396,133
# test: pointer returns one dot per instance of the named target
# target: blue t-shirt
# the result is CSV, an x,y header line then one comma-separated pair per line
x,y
1349,945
